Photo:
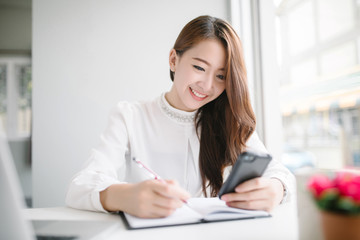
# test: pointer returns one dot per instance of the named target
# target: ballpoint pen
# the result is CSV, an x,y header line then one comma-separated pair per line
x,y
152,173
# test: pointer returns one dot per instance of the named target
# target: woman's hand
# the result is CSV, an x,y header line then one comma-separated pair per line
x,y
256,194
148,199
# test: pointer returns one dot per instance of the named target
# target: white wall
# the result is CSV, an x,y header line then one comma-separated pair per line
x,y
87,55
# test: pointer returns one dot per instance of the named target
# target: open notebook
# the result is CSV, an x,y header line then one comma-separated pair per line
x,y
198,210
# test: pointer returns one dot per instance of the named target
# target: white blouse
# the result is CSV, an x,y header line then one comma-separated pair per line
x,y
164,139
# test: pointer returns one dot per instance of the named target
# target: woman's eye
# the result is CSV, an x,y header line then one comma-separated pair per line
x,y
221,77
199,68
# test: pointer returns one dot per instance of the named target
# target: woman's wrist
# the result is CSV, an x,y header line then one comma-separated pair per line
x,y
281,189
113,197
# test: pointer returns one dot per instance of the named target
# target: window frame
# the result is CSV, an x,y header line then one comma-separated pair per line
x,y
262,70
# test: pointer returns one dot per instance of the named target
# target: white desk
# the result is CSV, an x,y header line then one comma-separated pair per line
x,y
282,226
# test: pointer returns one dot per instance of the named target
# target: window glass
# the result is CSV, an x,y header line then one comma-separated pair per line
x,y
303,72
24,98
301,28
335,17
15,95
319,61
338,59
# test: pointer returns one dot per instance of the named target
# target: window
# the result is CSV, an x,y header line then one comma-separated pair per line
x,y
15,95
318,43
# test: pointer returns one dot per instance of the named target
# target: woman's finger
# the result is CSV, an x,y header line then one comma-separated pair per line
x,y
171,191
252,184
251,205
257,194
167,202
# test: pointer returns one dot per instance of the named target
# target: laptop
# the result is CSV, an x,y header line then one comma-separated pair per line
x,y
14,226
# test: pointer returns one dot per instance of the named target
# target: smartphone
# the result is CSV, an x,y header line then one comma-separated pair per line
x,y
247,166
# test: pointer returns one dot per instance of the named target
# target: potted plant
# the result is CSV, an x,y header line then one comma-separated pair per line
x,y
338,198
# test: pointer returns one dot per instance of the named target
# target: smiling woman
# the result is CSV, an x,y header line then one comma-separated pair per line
x,y
196,75
214,45
191,135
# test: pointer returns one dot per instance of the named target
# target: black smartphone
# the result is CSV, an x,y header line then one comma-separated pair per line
x,y
247,166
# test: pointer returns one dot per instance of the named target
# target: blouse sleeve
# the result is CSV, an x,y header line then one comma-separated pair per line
x,y
102,168
275,169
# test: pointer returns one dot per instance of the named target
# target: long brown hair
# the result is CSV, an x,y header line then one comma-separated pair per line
x,y
225,124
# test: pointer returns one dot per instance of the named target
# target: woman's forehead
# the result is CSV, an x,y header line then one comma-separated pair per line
x,y
210,52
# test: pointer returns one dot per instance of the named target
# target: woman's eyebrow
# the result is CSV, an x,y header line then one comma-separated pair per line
x,y
202,60
206,62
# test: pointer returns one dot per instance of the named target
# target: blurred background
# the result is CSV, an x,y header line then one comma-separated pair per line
x,y
65,64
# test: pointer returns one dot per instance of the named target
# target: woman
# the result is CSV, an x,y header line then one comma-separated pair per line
x,y
191,134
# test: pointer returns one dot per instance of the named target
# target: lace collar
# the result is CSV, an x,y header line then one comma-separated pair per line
x,y
176,114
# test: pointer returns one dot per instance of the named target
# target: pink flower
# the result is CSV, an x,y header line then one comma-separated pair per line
x,y
348,184
318,184
340,194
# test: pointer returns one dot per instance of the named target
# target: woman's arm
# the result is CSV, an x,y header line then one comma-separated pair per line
x,y
102,167
148,199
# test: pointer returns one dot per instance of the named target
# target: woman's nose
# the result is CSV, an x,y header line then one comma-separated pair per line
x,y
206,83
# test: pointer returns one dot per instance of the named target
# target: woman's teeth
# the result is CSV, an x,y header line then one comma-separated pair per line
x,y
197,94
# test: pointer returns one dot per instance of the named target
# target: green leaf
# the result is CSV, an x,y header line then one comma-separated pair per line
x,y
328,199
348,205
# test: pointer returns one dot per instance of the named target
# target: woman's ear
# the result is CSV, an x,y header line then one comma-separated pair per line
x,y
172,60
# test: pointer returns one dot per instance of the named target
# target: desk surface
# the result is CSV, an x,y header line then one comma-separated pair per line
x,y
283,225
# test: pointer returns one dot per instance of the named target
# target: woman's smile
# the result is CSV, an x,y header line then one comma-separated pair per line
x,y
197,95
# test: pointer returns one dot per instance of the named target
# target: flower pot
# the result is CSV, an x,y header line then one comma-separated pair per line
x,y
340,226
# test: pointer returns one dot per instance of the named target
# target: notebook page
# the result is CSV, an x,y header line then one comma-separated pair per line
x,y
215,209
182,215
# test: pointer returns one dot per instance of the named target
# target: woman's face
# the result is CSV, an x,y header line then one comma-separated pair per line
x,y
199,75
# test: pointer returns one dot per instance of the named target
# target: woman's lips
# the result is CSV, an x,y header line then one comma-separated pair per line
x,y
196,95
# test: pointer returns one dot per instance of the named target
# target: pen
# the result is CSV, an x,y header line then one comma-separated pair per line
x,y
151,173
